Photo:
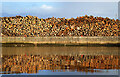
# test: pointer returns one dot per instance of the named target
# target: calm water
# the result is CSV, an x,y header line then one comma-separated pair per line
x,y
60,60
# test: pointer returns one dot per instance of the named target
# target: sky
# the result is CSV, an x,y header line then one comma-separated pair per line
x,y
60,9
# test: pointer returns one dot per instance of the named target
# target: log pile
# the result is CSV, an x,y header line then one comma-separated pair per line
x,y
31,26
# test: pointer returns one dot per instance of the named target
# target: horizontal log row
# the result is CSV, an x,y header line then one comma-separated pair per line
x,y
62,40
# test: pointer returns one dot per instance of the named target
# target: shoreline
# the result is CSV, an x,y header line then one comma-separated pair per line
x,y
111,41
50,44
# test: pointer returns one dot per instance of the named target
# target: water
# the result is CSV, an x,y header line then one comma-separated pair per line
x,y
60,60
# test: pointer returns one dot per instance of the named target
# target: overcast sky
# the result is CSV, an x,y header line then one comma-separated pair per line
x,y
60,9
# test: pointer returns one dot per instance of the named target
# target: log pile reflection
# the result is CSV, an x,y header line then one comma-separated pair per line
x,y
34,63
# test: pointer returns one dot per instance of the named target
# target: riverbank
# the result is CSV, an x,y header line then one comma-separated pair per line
x,y
60,41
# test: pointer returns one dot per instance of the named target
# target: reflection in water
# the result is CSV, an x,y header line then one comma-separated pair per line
x,y
34,63
59,59
72,50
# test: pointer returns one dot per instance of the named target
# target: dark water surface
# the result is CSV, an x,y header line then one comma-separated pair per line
x,y
60,60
